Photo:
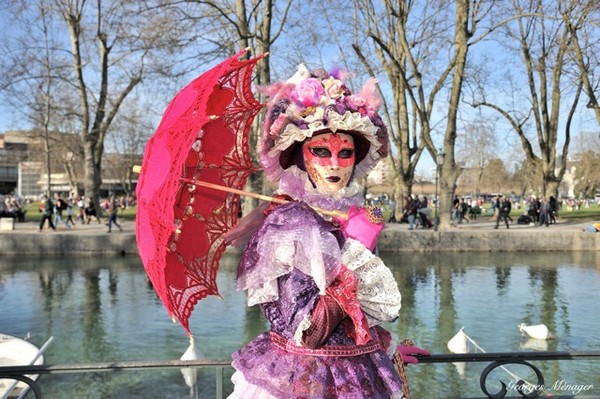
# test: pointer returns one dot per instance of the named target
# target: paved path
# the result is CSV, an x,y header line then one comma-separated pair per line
x,y
480,235
487,223
94,228
482,223
89,239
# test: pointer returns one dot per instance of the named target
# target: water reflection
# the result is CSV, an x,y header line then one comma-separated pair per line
x,y
105,310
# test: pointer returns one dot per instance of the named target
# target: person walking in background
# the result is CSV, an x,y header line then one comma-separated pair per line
x,y
553,212
424,212
90,211
474,209
411,211
70,214
504,208
463,208
81,206
392,205
47,209
496,203
112,214
544,212
534,209
509,206
59,206
455,215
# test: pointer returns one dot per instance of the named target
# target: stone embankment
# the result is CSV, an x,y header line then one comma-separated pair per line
x,y
477,236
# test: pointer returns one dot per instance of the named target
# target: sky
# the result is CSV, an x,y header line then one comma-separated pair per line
x,y
583,120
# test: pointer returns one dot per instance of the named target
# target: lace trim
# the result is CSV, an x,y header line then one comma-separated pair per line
x,y
268,292
378,291
295,183
290,237
303,326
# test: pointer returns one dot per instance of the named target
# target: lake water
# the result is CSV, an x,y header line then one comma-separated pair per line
x,y
103,309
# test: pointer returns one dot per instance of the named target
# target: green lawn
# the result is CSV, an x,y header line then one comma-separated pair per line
x,y
582,215
33,215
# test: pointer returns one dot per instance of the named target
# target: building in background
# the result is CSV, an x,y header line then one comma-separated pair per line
x,y
23,171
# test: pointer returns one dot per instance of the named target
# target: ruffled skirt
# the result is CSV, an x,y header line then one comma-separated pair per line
x,y
264,370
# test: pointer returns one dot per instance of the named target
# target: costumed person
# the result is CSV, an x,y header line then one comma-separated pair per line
x,y
315,277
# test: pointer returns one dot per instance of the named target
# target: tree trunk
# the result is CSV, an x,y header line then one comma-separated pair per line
x,y
448,171
92,179
551,187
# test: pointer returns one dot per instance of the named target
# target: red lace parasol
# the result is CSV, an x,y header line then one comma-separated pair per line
x,y
202,136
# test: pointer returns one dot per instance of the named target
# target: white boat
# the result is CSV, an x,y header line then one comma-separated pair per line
x,y
462,343
15,351
458,343
538,331
190,374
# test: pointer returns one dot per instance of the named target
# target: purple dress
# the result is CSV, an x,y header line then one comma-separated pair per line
x,y
285,266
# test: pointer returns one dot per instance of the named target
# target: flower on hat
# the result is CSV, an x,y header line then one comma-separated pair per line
x,y
308,92
333,88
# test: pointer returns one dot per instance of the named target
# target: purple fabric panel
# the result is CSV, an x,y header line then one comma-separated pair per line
x,y
297,297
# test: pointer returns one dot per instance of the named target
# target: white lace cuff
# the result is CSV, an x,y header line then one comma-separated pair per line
x,y
378,291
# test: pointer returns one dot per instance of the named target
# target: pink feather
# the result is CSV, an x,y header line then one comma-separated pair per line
x,y
370,93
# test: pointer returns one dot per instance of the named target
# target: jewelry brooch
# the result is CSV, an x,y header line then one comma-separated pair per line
x,y
374,214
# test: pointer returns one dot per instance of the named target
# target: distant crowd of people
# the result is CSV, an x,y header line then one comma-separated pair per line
x,y
538,211
416,211
541,211
11,207
52,211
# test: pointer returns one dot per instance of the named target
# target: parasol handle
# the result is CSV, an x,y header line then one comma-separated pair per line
x,y
400,369
138,169
259,196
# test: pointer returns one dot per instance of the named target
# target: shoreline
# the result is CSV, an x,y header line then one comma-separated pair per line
x,y
475,236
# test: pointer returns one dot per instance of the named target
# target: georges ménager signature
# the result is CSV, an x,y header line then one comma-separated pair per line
x,y
560,385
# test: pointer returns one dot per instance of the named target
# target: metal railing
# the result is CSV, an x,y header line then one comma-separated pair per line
x,y
495,360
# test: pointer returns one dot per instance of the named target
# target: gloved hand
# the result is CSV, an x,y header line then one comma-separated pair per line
x,y
407,352
363,225
343,291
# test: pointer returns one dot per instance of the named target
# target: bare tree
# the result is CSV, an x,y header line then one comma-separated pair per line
x,y
587,178
255,25
495,174
544,47
527,178
477,149
581,18
394,33
423,54
127,138
587,165
113,45
31,74
256,30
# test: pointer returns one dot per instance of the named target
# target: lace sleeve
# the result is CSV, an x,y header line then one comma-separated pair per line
x,y
377,289
292,236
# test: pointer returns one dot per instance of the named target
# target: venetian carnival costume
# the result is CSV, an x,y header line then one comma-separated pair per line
x,y
316,278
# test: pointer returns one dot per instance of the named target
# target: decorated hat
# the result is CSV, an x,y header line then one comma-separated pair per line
x,y
316,102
